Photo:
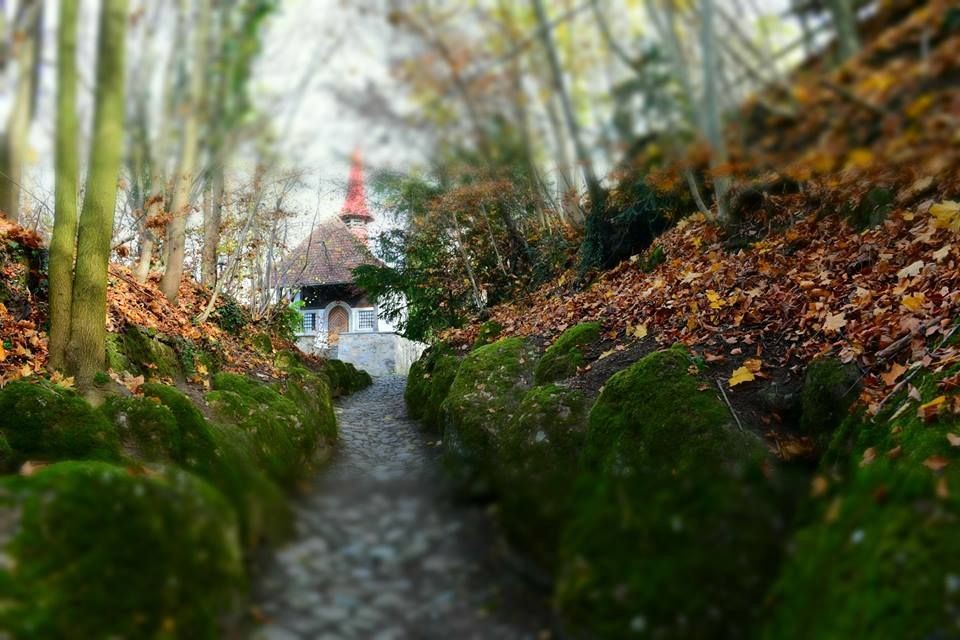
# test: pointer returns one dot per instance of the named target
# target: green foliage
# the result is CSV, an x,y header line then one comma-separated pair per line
x,y
634,217
147,430
231,316
675,530
878,557
489,332
262,343
563,357
44,422
100,552
486,393
286,320
537,451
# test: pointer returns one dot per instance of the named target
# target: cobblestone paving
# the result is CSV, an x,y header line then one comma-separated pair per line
x,y
382,553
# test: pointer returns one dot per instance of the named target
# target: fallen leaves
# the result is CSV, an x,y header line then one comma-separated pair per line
x,y
947,215
929,410
746,373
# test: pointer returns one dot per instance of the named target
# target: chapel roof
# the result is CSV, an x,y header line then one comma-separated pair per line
x,y
327,256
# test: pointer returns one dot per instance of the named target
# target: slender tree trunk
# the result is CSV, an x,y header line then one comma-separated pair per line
x,y
63,244
183,181
87,349
211,227
13,144
595,190
712,116
845,22
147,241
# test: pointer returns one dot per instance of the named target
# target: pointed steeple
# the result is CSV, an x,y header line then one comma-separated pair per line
x,y
355,213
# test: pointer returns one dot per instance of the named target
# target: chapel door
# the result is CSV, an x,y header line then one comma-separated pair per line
x,y
338,322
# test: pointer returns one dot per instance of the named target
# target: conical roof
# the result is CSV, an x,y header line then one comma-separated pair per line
x,y
327,256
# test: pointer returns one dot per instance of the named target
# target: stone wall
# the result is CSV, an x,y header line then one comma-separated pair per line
x,y
379,354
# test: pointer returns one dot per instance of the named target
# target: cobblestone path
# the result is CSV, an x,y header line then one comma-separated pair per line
x,y
383,553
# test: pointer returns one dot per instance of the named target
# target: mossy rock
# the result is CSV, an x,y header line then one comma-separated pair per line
x,y
485,395
116,358
150,356
100,552
147,429
286,360
489,332
538,449
675,530
563,357
227,457
420,380
345,378
441,379
42,421
311,394
829,389
262,343
878,557
279,433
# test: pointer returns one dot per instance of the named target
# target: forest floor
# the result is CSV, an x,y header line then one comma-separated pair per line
x,y
383,552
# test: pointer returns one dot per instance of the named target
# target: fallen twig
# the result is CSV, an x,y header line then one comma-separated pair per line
x,y
729,406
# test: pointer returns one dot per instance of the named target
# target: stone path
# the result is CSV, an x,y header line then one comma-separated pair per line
x,y
383,553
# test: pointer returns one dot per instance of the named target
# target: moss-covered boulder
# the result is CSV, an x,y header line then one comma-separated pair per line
x,y
489,332
276,425
262,343
227,457
149,355
829,389
485,395
563,357
675,531
147,429
46,422
346,378
97,552
310,392
879,557
538,449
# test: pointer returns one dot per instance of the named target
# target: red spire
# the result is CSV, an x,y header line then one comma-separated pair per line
x,y
355,212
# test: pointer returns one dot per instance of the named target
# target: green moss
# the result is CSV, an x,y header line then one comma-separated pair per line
x,y
275,424
829,389
149,356
485,395
311,395
675,530
99,552
227,457
441,379
116,358
262,343
42,421
420,380
489,332
287,360
537,450
147,429
346,379
878,557
563,357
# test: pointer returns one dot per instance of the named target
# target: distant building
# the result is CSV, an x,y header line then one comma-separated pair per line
x,y
339,319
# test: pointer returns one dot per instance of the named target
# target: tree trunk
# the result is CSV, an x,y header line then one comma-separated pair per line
x,y
595,190
844,18
211,227
86,353
712,116
13,144
183,181
63,244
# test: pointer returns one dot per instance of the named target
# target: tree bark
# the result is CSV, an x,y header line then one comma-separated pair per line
x,y
13,144
183,181
712,116
87,349
63,244
844,18
211,227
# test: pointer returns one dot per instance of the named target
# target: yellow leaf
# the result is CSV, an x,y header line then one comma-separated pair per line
x,y
638,331
860,159
913,303
931,409
741,375
835,322
947,215
714,298
3,353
